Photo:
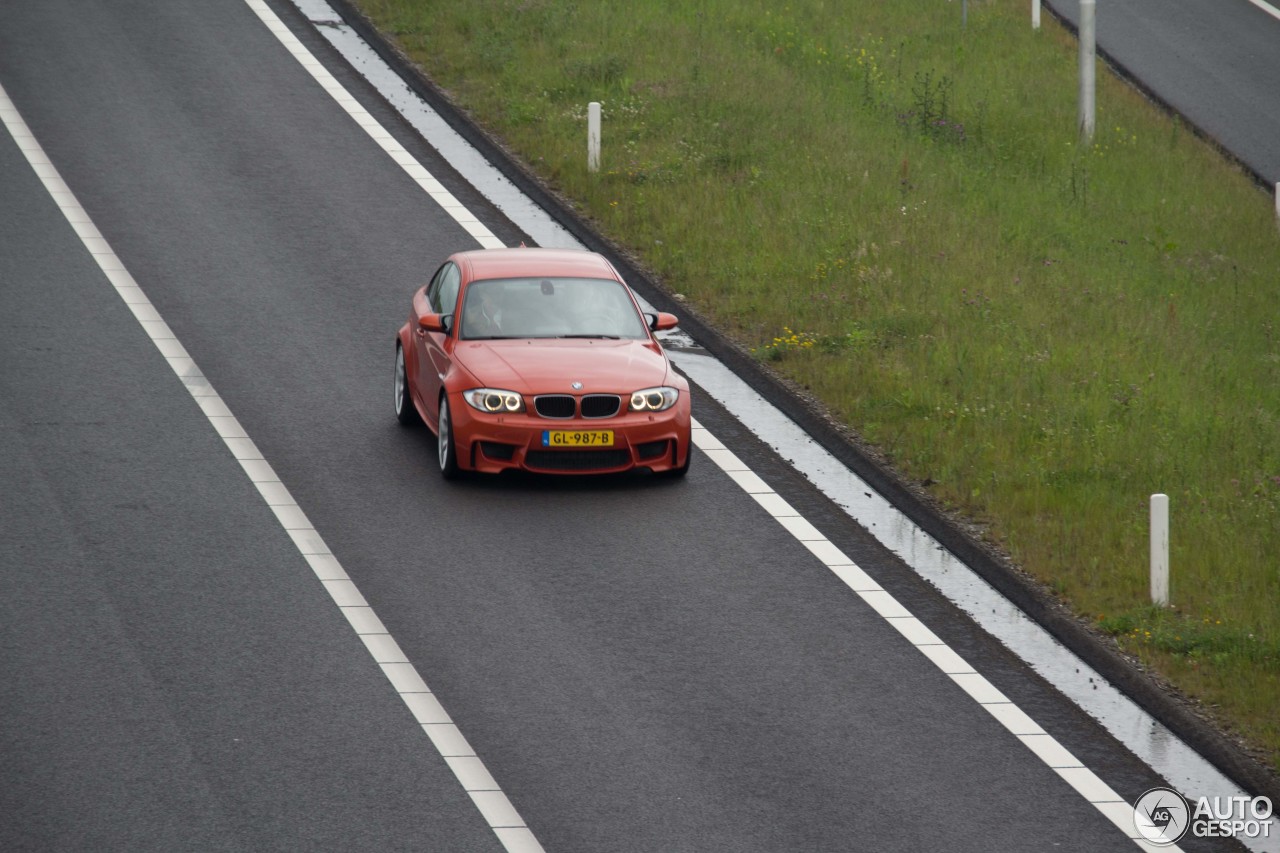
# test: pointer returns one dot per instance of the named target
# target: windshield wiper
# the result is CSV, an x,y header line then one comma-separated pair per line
x,y
601,337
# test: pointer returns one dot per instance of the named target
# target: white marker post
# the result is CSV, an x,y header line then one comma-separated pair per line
x,y
593,136
1160,550
1035,14
1088,50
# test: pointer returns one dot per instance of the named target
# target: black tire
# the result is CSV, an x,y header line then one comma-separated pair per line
x,y
445,448
405,411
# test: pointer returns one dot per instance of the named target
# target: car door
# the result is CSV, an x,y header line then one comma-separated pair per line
x,y
432,348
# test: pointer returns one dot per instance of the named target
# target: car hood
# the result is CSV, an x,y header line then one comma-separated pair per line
x,y
545,366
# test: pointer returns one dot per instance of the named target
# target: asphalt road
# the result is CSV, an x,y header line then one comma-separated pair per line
x,y
1216,63
641,664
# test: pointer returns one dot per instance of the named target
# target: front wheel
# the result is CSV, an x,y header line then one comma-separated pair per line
x,y
445,447
405,412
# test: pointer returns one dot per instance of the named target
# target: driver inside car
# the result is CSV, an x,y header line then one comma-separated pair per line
x,y
484,317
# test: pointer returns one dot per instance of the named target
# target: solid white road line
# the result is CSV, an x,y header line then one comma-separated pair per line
x,y
1014,719
1268,8
488,798
376,131
1150,740
1083,780
493,805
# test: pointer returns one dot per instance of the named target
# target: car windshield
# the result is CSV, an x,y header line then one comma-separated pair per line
x,y
550,308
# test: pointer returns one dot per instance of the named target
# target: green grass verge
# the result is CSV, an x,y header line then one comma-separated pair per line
x,y
896,212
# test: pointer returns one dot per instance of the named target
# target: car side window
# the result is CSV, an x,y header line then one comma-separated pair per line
x,y
433,286
443,291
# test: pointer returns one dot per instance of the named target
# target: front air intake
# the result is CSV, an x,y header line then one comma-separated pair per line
x,y
577,460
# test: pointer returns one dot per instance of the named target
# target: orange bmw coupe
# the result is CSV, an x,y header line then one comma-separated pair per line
x,y
540,360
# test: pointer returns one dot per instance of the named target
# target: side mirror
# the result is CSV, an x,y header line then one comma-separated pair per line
x,y
435,322
662,321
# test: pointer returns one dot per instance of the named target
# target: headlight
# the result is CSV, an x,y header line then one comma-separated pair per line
x,y
494,401
654,399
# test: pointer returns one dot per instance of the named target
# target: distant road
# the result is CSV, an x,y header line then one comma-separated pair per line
x,y
1217,62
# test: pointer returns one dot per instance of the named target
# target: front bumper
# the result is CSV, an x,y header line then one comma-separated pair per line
x,y
491,444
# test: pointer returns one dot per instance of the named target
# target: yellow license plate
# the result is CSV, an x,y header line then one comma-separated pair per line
x,y
577,438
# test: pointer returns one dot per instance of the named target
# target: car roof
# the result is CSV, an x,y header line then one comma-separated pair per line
x,y
529,263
